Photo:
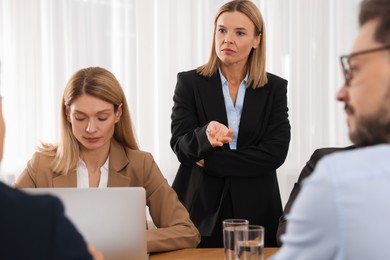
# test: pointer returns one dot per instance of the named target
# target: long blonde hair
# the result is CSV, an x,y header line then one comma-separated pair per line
x,y
256,60
96,82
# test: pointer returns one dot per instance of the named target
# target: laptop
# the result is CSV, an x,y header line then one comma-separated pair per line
x,y
113,220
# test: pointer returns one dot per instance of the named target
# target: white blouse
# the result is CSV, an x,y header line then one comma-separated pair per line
x,y
82,175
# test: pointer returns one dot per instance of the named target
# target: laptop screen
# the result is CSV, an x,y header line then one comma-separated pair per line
x,y
113,220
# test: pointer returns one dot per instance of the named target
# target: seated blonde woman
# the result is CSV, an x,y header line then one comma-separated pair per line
x,y
97,148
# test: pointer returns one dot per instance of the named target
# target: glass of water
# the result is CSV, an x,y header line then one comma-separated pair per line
x,y
249,242
229,226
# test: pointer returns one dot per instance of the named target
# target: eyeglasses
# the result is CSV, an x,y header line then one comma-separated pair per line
x,y
345,62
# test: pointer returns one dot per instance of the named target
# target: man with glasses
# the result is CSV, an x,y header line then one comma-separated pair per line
x,y
342,210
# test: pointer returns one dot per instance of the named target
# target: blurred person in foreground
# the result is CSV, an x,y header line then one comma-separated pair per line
x,y
35,227
342,211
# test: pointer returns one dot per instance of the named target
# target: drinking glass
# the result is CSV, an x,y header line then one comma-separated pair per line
x,y
249,242
229,226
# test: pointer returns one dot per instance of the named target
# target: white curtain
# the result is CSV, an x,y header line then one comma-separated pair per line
x,y
145,43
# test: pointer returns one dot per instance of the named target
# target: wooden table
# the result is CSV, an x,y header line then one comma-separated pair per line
x,y
202,254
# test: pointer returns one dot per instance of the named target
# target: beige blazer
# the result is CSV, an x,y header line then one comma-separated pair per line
x,y
128,168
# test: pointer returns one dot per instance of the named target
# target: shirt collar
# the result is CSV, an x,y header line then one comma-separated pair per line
x,y
224,80
103,168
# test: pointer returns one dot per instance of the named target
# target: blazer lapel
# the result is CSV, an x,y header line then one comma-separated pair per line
x,y
252,113
65,181
117,166
210,91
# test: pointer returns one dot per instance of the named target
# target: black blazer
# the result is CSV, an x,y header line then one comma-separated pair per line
x,y
248,173
306,172
34,227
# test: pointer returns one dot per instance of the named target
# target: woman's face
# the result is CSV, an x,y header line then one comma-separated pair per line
x,y
93,121
234,38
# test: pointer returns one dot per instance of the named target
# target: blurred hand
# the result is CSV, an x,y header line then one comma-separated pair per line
x,y
218,134
96,255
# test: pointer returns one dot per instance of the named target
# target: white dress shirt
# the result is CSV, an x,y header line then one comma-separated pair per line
x,y
343,209
82,175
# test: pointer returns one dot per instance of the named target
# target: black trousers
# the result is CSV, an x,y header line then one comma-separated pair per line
x,y
216,239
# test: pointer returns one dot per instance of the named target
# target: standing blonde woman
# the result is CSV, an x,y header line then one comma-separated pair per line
x,y
230,129
97,148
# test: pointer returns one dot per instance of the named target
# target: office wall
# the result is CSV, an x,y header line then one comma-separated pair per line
x,y
145,43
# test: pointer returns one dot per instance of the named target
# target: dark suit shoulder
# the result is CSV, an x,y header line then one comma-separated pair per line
x,y
190,75
321,152
316,157
274,79
275,84
24,202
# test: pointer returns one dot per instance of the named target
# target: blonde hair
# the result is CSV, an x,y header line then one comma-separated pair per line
x,y
256,60
99,83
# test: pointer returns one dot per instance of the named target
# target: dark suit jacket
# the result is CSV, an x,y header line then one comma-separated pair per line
x,y
306,171
248,173
34,227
